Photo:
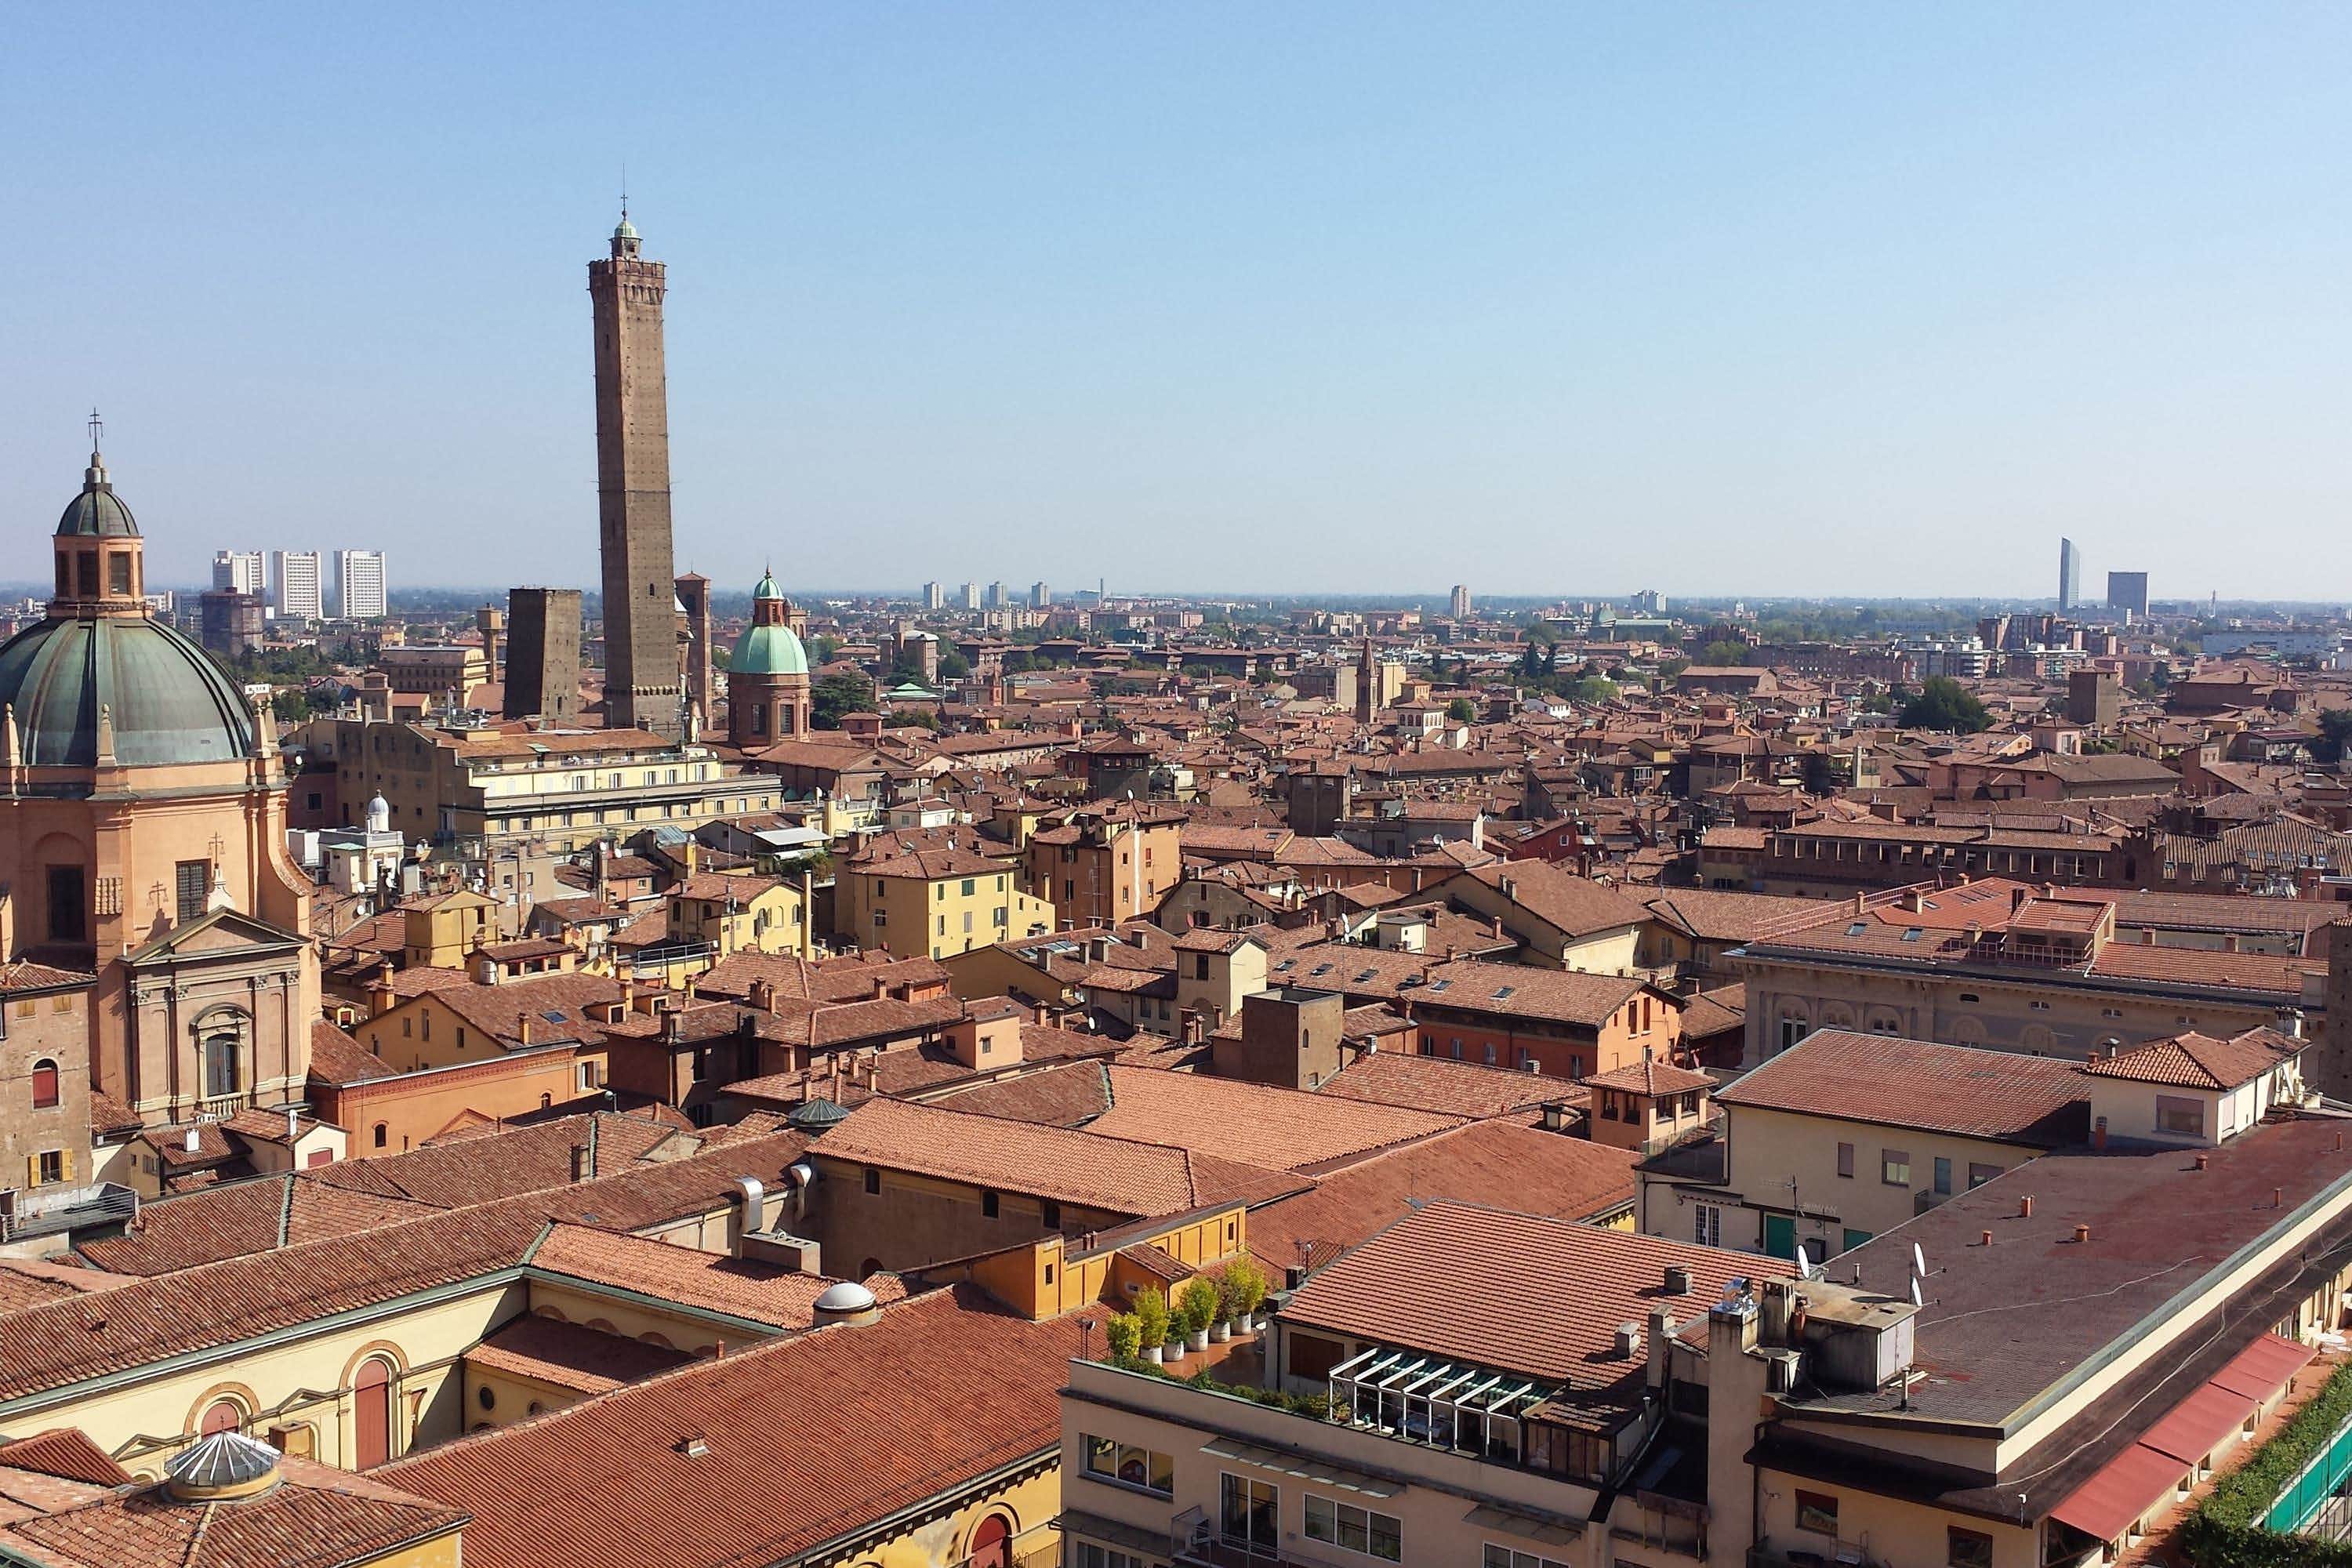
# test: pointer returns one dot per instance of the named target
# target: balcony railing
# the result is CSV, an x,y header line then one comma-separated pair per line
x,y
53,1211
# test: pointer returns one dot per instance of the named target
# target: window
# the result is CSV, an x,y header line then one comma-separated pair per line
x,y
49,1167
45,1084
967,887
1706,1225
989,1205
68,911
1846,1160
1130,1466
1979,1175
872,1179
2178,1115
381,1133
1353,1529
1049,1214
1818,1512
1791,1031
1943,1176
1895,1167
1504,1557
1086,1554
191,881
221,1076
1248,1513
1967,1548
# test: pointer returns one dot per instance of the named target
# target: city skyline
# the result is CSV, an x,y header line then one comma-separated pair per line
x,y
1817,302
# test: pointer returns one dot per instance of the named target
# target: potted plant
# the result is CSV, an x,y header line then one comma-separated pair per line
x,y
1125,1335
1242,1290
1196,1308
1152,1323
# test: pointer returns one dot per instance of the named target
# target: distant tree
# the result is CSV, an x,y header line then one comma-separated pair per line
x,y
2334,735
836,695
1462,710
824,650
1718,654
953,666
1670,668
1551,660
1944,703
1591,689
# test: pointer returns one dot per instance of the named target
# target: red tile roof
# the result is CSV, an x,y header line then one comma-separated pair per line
x,y
1516,1292
805,1444
1257,1124
1923,1084
2200,1061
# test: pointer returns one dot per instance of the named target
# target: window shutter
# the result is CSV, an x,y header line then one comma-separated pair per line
x,y
32,1169
65,1162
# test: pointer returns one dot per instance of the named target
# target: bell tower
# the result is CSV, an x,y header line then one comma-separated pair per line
x,y
100,555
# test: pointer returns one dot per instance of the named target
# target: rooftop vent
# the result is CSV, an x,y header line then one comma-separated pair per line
x,y
1629,1340
1679,1280
221,1465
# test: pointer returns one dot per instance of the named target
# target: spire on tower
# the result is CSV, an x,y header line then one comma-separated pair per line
x,y
96,474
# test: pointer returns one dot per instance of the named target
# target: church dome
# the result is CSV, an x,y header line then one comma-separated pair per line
x,y
167,700
768,650
768,646
98,512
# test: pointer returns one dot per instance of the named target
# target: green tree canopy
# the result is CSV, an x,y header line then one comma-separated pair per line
x,y
1462,710
1944,703
836,695
1725,653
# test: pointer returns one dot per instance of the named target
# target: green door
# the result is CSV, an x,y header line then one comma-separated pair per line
x,y
1780,1235
1855,1238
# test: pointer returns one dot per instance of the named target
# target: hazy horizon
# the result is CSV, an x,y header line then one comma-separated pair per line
x,y
1838,303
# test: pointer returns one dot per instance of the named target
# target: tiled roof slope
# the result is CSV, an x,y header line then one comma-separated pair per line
x,y
804,1442
2200,1061
1461,1282
1922,1084
1257,1124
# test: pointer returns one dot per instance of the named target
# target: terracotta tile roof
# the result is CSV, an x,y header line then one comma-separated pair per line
x,y
1466,985
1123,1175
1444,1085
24,974
805,1443
317,1517
572,1355
337,1058
1457,1280
1544,1172
2200,1061
1256,1124
1651,1076
851,979
762,1292
1068,1095
241,1218
1923,1084
137,1323
1562,899
66,1452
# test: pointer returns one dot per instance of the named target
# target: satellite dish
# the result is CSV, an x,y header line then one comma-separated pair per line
x,y
1915,1295
1918,1261
1804,1265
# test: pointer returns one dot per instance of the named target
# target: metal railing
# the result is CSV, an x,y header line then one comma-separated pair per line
x,y
53,1211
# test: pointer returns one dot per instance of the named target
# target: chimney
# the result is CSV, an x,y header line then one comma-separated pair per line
x,y
1555,1117
580,1165
763,995
2099,1134
1984,1238
1679,1280
2204,1160
522,1027
628,992
1662,1340
293,1122
2025,1206
1629,1340
2082,1233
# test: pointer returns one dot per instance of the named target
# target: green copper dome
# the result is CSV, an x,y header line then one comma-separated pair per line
x,y
168,701
97,511
768,650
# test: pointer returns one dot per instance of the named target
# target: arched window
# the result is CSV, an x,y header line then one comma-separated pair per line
x,y
991,1543
45,1084
221,1068
225,1415
372,1413
546,1101
381,1133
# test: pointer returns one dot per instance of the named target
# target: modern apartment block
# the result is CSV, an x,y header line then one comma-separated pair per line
x,y
2070,574
239,572
297,585
360,590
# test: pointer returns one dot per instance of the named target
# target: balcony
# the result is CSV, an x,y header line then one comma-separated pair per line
x,y
1192,1538
56,1211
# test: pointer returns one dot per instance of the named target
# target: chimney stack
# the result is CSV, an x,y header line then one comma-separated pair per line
x,y
580,1164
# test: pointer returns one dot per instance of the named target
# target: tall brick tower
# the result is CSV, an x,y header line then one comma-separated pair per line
x,y
641,654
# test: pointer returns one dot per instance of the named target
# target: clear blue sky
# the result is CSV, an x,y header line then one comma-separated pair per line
x,y
1555,298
